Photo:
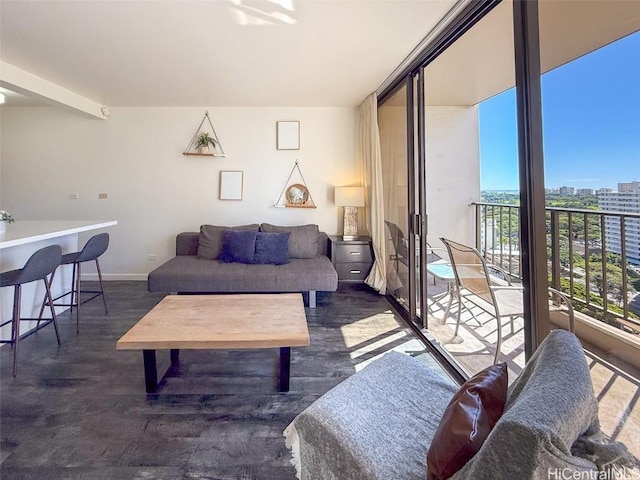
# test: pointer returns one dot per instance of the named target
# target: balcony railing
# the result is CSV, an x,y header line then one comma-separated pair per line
x,y
591,256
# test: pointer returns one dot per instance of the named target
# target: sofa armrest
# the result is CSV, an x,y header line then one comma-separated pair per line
x,y
187,243
324,245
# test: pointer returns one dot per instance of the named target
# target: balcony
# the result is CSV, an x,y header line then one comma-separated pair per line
x,y
580,260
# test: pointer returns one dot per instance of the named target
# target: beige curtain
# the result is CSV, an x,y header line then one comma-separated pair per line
x,y
371,168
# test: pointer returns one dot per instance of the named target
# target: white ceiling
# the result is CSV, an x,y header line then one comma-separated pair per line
x,y
481,63
216,52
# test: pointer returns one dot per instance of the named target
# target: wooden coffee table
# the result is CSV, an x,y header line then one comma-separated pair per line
x,y
219,322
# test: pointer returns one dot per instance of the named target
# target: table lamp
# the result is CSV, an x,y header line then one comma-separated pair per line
x,y
350,198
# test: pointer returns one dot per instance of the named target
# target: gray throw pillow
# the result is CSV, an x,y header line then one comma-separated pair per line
x,y
272,248
238,246
303,242
210,239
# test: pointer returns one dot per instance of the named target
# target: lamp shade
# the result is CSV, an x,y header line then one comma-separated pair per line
x,y
349,196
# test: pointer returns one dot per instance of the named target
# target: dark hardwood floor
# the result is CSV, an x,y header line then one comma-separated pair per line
x,y
79,411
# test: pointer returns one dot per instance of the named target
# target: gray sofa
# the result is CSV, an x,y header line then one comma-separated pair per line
x,y
378,424
188,272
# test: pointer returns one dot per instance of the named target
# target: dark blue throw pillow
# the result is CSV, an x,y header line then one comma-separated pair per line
x,y
238,246
272,248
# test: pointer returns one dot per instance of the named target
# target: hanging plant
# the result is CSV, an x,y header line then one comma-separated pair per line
x,y
204,140
6,217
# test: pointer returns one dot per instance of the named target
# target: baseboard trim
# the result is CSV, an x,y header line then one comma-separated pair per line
x,y
93,277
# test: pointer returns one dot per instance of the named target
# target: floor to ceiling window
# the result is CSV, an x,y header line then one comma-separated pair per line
x,y
590,100
471,138
477,68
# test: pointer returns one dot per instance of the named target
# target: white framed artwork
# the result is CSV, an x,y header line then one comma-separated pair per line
x,y
288,135
231,185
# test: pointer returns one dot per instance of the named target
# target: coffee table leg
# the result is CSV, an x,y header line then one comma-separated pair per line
x,y
285,368
150,372
175,356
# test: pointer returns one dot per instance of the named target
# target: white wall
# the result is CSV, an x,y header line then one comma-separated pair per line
x,y
453,173
155,192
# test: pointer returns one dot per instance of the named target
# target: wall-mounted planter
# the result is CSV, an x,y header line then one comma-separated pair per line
x,y
295,195
204,152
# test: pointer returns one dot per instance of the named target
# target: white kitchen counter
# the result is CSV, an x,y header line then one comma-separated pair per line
x,y
29,231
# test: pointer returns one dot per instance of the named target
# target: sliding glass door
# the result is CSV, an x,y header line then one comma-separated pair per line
x,y
394,147
471,168
437,151
403,174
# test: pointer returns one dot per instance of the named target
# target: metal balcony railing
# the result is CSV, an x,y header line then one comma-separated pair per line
x,y
593,256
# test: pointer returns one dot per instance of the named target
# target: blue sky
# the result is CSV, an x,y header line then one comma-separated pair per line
x,y
591,123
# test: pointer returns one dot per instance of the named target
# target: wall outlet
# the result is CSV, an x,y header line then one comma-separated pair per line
x,y
103,196
72,196
152,256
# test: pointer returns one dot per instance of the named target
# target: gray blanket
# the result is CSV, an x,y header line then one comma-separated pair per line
x,y
378,424
373,426
550,408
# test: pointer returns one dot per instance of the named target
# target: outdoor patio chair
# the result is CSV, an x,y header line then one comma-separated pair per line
x,y
440,265
440,268
478,282
399,244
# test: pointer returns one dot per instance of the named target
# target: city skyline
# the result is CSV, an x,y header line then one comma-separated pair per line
x,y
591,126
577,189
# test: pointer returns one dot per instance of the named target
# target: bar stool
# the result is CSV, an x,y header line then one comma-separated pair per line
x,y
94,247
41,264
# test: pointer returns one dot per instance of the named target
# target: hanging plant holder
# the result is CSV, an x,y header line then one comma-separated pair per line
x,y
295,195
213,138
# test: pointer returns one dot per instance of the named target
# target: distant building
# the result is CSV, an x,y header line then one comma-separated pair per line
x,y
567,191
604,190
631,187
626,200
584,191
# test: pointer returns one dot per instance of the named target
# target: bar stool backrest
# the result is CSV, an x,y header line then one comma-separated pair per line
x,y
94,247
40,264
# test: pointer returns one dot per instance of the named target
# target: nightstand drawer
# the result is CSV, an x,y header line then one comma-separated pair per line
x,y
353,253
353,271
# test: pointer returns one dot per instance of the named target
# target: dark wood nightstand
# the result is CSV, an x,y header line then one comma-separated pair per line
x,y
352,259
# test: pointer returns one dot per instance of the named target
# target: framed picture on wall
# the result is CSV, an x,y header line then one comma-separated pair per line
x,y
288,135
231,185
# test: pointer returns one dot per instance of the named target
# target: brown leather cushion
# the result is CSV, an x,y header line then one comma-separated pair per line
x,y
467,421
